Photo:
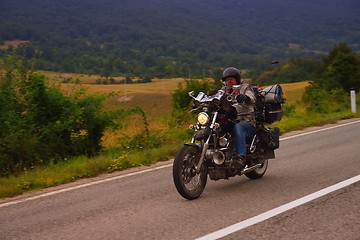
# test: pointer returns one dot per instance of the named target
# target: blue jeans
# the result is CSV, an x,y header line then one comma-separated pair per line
x,y
241,131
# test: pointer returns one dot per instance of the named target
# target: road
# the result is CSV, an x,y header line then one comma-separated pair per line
x,y
143,203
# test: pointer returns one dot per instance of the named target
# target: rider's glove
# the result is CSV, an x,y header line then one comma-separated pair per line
x,y
241,98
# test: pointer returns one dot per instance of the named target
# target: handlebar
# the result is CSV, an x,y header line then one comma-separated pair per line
x,y
203,98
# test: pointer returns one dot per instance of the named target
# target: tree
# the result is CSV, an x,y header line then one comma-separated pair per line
x,y
340,73
295,70
128,79
146,79
341,48
344,70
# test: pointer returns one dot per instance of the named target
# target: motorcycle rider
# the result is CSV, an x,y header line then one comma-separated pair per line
x,y
241,108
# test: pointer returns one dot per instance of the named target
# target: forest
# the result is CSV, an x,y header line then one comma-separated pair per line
x,y
176,38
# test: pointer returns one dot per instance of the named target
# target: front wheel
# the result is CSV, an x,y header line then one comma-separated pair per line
x,y
188,182
258,172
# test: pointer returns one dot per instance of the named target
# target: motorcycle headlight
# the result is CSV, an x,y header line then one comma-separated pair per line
x,y
203,118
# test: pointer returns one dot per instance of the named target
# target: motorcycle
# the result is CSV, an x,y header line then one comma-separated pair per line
x,y
212,146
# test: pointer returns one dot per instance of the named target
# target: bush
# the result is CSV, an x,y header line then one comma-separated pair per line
x,y
321,101
288,110
180,97
39,124
181,100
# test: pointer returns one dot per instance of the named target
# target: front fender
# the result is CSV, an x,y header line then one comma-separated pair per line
x,y
202,134
194,145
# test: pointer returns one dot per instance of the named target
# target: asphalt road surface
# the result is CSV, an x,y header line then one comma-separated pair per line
x,y
144,204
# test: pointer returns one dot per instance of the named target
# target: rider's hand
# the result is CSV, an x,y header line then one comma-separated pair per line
x,y
241,98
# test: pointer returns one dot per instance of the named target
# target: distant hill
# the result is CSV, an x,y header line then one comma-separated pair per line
x,y
177,37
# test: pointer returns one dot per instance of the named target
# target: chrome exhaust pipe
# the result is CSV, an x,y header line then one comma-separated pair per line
x,y
218,157
246,170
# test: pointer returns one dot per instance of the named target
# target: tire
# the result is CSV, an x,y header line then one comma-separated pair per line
x,y
188,183
259,172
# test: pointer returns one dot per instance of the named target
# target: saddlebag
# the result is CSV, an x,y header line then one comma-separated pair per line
x,y
270,138
273,112
273,98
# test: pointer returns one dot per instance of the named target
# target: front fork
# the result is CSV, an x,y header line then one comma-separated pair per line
x,y
206,145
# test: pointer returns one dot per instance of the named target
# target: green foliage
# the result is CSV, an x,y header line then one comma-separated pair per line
x,y
118,159
345,70
180,97
162,146
295,70
321,101
341,48
141,140
341,72
341,69
128,79
176,38
40,124
288,110
145,79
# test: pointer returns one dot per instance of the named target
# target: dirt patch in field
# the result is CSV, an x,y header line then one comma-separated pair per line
x,y
14,43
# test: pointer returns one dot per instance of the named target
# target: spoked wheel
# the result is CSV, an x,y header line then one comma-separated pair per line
x,y
188,182
258,172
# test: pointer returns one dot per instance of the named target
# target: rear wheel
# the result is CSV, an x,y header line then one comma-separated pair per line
x,y
258,172
188,182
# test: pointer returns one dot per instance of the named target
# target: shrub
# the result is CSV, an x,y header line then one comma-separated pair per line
x,y
321,101
40,125
288,110
180,97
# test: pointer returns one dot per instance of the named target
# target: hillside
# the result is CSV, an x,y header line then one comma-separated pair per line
x,y
176,38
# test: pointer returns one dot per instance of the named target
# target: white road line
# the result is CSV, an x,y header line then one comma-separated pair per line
x,y
82,186
276,211
141,172
320,130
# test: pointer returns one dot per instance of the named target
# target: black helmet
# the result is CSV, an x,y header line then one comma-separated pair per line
x,y
232,72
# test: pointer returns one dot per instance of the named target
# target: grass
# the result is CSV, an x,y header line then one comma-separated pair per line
x,y
155,99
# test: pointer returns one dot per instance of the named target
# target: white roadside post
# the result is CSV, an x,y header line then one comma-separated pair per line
x,y
353,100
